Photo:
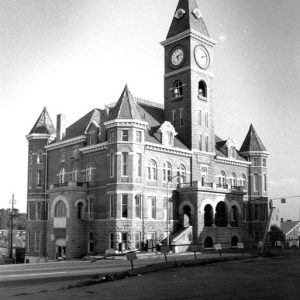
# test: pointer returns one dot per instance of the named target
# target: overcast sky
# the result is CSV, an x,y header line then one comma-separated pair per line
x,y
75,55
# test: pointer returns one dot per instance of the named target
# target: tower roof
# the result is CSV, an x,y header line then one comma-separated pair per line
x,y
252,142
126,108
43,125
190,20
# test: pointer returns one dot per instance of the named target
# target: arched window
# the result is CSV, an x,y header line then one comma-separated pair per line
x,y
80,211
233,180
167,172
208,242
61,176
177,89
202,89
181,174
74,175
39,158
221,215
243,180
169,138
152,170
222,179
88,173
208,215
234,241
60,210
91,208
234,216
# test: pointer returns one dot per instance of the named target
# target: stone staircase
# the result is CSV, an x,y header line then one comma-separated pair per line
x,y
182,239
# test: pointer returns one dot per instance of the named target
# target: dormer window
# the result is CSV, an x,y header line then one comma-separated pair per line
x,y
231,152
202,89
231,148
177,89
168,133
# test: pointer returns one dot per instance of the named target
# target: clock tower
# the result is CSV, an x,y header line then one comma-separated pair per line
x,y
188,81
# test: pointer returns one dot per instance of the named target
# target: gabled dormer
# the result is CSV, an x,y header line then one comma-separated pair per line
x,y
231,148
168,133
92,133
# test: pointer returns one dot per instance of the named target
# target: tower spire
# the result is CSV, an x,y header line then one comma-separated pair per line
x,y
187,17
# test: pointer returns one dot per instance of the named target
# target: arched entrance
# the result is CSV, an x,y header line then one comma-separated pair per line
x,y
208,242
186,216
234,241
221,215
208,215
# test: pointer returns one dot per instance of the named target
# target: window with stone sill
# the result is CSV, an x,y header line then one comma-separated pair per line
x,y
152,170
125,135
202,89
138,136
38,157
39,178
124,206
61,176
167,172
60,210
177,89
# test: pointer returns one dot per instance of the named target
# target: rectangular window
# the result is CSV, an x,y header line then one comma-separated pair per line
x,y
37,240
124,239
264,162
112,240
62,155
256,211
124,164
29,179
265,182
255,161
206,120
153,207
255,182
111,137
31,210
180,117
138,136
137,240
111,165
199,117
206,144
124,206
39,178
173,116
139,164
39,211
200,142
169,206
125,135
112,206
138,205
91,242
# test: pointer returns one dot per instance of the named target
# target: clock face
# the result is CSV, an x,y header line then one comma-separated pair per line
x,y
177,57
202,57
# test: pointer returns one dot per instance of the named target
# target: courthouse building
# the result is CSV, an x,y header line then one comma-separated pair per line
x,y
137,170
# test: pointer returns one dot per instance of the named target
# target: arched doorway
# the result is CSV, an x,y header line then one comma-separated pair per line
x,y
186,216
234,216
208,215
208,242
221,215
234,241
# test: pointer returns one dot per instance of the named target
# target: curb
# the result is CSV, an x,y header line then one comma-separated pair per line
x,y
105,277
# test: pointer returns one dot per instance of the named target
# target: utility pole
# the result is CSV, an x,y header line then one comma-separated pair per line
x,y
11,227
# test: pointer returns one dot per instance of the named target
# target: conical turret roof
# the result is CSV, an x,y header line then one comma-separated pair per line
x,y
252,142
191,19
43,125
126,107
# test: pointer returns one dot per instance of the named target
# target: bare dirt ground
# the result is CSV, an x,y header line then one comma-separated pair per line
x,y
267,278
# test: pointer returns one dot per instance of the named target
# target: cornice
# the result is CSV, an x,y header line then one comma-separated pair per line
x,y
187,33
126,122
65,143
40,136
93,148
189,68
231,161
171,150
255,153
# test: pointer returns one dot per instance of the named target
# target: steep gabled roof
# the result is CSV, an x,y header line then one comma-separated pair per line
x,y
287,226
43,125
79,127
189,21
252,142
126,107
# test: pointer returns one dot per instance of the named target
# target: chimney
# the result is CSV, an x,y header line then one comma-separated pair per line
x,y
60,127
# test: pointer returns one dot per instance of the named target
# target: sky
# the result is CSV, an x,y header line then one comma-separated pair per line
x,y
75,55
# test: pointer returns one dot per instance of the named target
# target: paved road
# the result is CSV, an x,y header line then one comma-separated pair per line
x,y
21,278
268,278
